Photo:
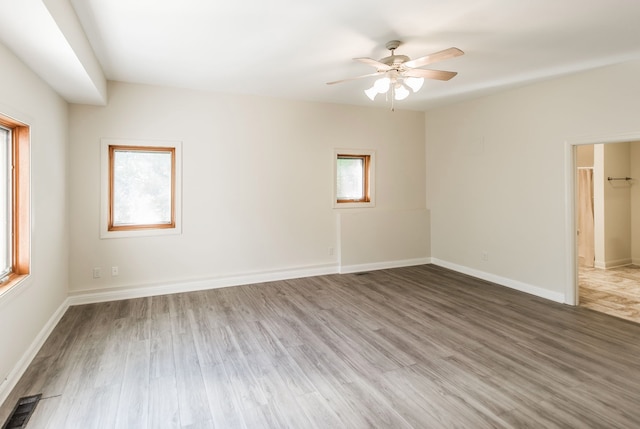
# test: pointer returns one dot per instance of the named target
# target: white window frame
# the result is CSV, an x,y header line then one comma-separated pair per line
x,y
104,189
372,178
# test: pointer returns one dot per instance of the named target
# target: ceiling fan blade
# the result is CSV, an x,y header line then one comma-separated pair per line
x,y
430,74
432,58
357,77
374,63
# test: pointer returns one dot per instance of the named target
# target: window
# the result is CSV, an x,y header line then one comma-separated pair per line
x,y
6,196
142,188
352,185
354,178
14,202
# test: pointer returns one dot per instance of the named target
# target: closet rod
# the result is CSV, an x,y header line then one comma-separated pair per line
x,y
619,178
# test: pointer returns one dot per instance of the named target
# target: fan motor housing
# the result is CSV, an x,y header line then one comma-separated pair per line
x,y
394,60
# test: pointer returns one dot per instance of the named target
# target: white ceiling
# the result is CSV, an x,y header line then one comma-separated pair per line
x,y
290,48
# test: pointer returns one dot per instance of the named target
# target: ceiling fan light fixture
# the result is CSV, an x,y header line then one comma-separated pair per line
x,y
400,92
415,83
382,85
371,92
401,74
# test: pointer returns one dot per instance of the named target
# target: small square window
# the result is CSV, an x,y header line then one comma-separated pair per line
x,y
141,190
354,178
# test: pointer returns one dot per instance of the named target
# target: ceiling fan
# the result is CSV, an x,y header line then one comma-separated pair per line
x,y
399,72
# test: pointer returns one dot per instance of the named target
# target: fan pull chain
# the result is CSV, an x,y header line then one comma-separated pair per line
x,y
393,96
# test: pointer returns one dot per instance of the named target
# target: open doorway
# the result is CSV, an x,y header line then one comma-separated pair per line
x,y
607,218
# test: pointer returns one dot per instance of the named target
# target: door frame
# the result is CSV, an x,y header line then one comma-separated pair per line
x,y
571,205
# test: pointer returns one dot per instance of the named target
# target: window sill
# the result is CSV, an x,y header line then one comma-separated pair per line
x,y
337,205
13,281
142,232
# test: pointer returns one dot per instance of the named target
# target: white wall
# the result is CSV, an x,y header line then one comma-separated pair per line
x,y
26,309
392,238
634,155
495,172
617,206
599,179
257,183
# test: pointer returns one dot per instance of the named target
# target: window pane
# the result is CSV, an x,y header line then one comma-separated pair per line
x,y
350,184
5,202
142,187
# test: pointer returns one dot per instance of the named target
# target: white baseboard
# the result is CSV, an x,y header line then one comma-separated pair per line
x,y
503,281
346,269
613,263
91,296
7,385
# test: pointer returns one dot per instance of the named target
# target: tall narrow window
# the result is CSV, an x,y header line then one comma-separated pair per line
x,y
354,178
14,202
6,197
142,187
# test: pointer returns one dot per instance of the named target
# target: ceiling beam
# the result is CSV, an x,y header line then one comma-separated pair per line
x,y
47,36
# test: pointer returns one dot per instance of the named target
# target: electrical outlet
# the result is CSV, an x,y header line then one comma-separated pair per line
x,y
330,251
485,256
97,272
114,271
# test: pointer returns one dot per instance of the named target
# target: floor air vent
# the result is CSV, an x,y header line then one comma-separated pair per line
x,y
22,412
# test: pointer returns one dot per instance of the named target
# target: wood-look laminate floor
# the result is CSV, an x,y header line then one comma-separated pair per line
x,y
615,291
417,347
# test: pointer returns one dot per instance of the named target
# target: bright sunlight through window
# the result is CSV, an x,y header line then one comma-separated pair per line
x,y
354,178
140,188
